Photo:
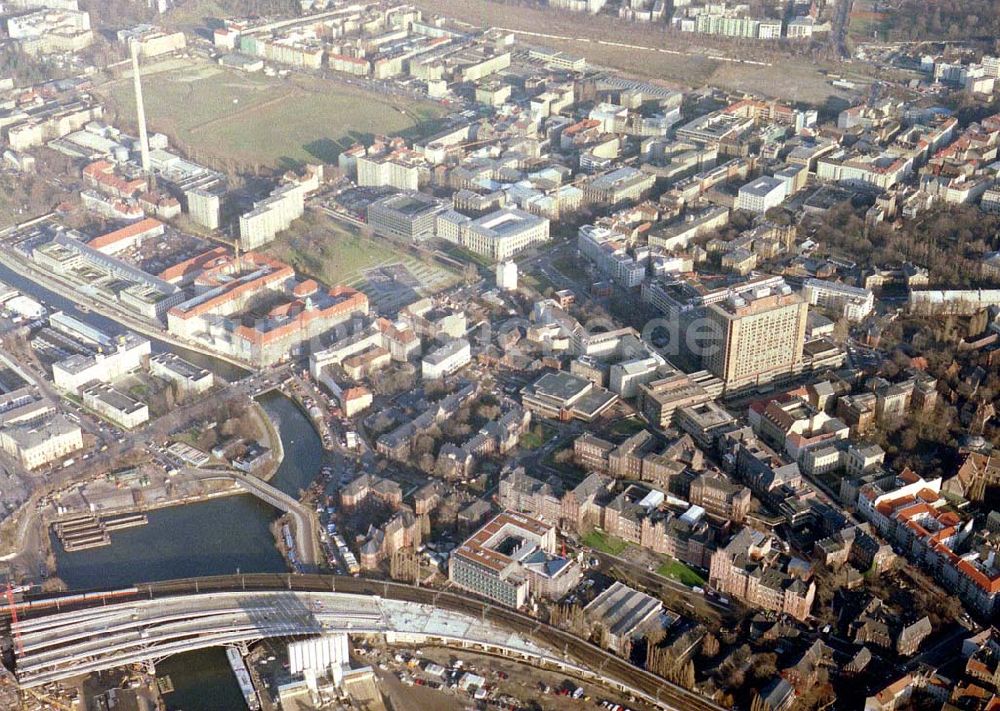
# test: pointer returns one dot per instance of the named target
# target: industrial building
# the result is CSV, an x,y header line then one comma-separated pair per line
x,y
127,354
625,613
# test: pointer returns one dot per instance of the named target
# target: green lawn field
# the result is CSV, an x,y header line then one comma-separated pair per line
x,y
681,573
224,116
601,541
339,258
334,253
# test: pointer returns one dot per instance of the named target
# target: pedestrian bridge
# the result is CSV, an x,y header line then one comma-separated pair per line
x,y
305,523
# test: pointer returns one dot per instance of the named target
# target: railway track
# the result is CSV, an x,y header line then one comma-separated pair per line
x,y
598,660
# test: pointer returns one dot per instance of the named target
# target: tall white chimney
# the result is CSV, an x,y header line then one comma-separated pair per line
x,y
139,107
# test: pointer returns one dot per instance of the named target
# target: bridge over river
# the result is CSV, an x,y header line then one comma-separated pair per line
x,y
61,637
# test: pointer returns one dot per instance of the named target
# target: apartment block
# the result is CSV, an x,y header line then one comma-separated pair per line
x,y
272,215
753,568
853,303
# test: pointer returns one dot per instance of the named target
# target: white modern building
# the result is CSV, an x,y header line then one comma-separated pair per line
x,y
853,303
502,234
113,404
761,195
446,360
188,377
625,378
507,275
129,351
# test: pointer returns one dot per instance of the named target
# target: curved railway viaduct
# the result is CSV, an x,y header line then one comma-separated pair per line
x,y
63,636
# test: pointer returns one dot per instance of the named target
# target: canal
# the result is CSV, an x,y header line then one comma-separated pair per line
x,y
58,302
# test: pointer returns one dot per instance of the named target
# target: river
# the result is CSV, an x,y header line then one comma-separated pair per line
x,y
219,536
57,302
202,681
212,537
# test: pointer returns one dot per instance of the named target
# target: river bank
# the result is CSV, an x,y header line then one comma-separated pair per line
x,y
214,536
51,282
283,426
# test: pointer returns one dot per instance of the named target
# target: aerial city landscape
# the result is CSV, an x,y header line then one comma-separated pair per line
x,y
513,354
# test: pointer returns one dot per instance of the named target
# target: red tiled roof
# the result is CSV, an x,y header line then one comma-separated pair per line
x,y
142,227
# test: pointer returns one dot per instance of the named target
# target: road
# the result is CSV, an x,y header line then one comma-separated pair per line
x,y
841,26
117,443
48,282
306,523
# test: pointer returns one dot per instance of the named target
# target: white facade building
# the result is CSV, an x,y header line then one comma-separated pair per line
x,y
853,303
762,194
446,360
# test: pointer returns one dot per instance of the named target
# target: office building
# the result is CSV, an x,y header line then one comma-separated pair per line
x,y
446,360
152,41
36,434
565,396
628,376
511,559
850,302
410,216
114,405
761,195
503,234
662,396
506,274
403,169
189,378
128,354
618,186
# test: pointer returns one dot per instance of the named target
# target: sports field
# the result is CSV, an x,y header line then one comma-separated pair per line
x,y
228,117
